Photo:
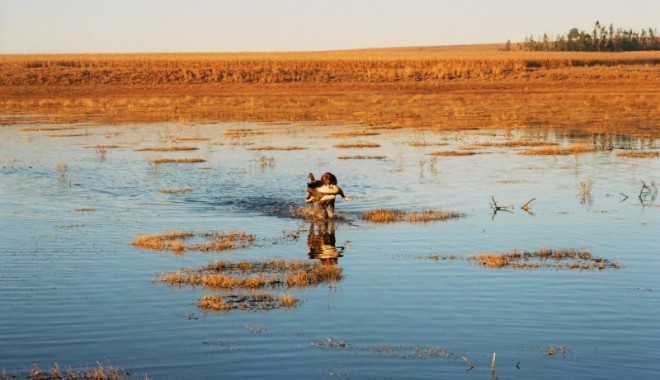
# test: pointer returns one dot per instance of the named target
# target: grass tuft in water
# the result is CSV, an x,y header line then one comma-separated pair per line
x,y
393,216
175,241
565,259
56,372
159,161
639,154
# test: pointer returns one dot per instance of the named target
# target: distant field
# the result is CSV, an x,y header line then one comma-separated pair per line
x,y
441,87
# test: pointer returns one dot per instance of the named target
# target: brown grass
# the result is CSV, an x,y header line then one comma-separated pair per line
x,y
255,274
421,87
162,241
361,157
393,215
557,151
423,143
175,241
356,145
245,302
179,139
384,216
167,149
284,148
176,191
111,146
354,134
544,258
56,372
453,153
638,154
519,143
241,132
159,161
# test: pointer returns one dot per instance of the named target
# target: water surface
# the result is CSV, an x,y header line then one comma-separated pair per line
x,y
76,292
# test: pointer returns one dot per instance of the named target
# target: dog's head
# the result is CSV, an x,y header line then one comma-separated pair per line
x,y
329,179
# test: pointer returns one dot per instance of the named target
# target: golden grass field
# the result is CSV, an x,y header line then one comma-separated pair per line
x,y
431,87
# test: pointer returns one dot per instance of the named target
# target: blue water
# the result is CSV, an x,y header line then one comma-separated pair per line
x,y
74,291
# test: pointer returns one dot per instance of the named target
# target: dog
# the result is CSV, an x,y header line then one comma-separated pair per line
x,y
324,192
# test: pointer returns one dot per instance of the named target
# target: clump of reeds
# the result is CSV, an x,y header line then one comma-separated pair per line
x,y
556,350
167,149
356,145
283,148
176,191
519,143
354,134
159,161
176,241
221,241
241,132
361,157
432,215
56,372
384,215
557,151
164,241
183,138
255,274
638,154
449,153
544,258
423,143
100,146
245,302
424,216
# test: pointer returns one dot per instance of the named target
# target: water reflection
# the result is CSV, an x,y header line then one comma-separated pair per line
x,y
321,242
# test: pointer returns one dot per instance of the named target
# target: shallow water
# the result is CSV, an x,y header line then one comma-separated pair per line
x,y
76,292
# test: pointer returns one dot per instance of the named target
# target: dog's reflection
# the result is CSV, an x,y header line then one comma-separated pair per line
x,y
321,242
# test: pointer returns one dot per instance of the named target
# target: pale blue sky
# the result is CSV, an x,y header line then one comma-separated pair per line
x,y
91,26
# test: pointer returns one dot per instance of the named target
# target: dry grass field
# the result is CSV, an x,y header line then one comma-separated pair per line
x,y
441,87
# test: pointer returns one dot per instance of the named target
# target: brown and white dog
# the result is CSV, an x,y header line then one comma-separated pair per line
x,y
324,192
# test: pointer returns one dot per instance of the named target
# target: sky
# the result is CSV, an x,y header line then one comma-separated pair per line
x,y
147,26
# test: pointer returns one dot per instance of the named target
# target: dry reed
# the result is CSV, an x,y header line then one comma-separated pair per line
x,y
283,148
255,274
175,241
356,145
449,153
176,191
633,154
393,215
245,302
159,161
544,258
56,372
557,151
167,149
361,157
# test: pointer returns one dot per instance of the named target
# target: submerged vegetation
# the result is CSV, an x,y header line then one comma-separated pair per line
x,y
177,241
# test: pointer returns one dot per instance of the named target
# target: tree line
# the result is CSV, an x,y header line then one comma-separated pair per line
x,y
601,38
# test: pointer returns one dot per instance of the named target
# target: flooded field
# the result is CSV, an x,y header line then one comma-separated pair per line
x,y
187,251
